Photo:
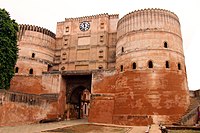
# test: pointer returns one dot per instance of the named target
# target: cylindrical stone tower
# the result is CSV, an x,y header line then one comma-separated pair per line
x,y
152,84
36,53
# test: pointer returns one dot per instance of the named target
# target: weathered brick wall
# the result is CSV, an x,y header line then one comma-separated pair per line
x,y
20,108
27,84
101,109
102,102
53,83
161,96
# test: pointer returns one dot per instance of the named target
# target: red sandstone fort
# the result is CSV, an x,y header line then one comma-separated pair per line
x,y
128,71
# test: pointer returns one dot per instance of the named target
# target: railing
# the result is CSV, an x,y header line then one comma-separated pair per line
x,y
30,99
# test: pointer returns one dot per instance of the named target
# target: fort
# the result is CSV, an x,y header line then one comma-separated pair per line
x,y
128,71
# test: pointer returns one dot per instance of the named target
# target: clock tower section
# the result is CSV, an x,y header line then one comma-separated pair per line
x,y
86,43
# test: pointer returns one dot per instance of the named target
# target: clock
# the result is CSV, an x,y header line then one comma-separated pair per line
x,y
84,26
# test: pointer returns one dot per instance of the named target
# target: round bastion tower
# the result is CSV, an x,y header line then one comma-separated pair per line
x,y
152,82
36,53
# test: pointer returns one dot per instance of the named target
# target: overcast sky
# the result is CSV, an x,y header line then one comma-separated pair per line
x,y
46,13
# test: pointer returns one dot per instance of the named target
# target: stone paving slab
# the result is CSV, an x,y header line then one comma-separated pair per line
x,y
38,128
155,129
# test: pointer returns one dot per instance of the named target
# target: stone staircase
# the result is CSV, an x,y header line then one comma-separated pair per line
x,y
191,115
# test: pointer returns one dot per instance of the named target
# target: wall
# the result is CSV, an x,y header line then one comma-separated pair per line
x,y
27,84
21,108
102,102
36,51
53,83
144,95
86,50
160,92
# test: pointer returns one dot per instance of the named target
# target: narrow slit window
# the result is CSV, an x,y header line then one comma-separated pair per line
x,y
165,45
122,49
167,64
134,65
179,66
16,69
31,71
102,25
121,68
101,38
150,64
33,55
67,29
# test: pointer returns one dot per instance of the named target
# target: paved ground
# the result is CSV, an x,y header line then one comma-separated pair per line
x,y
38,128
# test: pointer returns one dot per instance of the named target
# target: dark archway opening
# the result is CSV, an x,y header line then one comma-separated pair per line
x,y
78,92
134,65
165,45
79,100
150,64
31,71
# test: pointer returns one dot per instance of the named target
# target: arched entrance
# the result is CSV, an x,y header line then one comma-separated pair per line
x,y
79,102
78,91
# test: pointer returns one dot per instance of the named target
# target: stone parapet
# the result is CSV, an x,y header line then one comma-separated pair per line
x,y
147,19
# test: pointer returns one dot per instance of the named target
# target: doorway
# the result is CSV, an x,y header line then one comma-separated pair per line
x,y
78,92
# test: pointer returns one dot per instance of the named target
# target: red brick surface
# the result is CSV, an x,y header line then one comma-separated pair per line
x,y
27,84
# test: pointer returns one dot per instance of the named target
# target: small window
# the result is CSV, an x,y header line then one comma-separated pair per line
x,y
67,29
167,64
122,49
101,38
150,64
16,69
100,67
101,51
100,56
49,68
31,71
179,66
102,26
33,55
165,45
121,68
64,53
63,68
134,65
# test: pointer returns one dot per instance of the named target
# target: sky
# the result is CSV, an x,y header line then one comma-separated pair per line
x,y
46,13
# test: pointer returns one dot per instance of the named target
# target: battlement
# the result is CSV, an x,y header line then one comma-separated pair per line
x,y
112,16
150,11
23,27
149,19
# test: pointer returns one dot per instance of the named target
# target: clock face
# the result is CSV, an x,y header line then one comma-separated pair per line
x,y
84,26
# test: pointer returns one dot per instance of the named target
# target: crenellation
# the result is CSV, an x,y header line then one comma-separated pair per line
x,y
37,29
113,16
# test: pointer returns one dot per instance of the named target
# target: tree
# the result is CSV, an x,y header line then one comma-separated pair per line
x,y
8,48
